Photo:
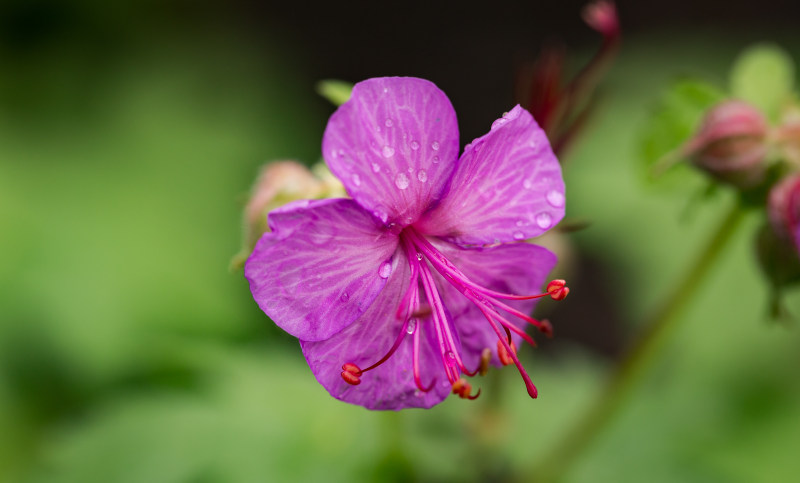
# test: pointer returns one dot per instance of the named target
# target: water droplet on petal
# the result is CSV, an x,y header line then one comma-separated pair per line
x,y
498,123
410,169
385,90
345,297
357,180
376,168
527,184
414,145
401,181
544,220
436,160
555,198
520,223
419,256
412,324
435,145
518,235
422,176
386,270
387,151
388,123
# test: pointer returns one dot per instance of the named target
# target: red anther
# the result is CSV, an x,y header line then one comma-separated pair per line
x,y
463,388
486,359
558,289
503,355
351,373
546,328
351,368
351,378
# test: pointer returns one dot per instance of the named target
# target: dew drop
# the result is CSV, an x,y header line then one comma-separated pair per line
x,y
436,160
388,123
518,235
527,184
422,176
401,181
385,90
386,270
419,256
555,198
435,145
410,169
376,168
412,324
498,123
414,145
345,297
544,220
520,223
357,180
387,151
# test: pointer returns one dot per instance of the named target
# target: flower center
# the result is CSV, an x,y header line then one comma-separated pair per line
x,y
422,255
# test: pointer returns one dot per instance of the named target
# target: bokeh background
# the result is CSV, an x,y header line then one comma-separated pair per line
x,y
130,133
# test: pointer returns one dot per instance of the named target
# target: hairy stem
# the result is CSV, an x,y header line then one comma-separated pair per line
x,y
633,365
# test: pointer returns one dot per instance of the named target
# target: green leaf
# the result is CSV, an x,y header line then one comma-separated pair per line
x,y
763,75
675,118
336,91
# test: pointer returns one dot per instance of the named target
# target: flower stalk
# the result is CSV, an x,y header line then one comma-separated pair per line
x,y
633,366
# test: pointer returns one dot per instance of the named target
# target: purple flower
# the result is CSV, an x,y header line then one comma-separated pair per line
x,y
397,292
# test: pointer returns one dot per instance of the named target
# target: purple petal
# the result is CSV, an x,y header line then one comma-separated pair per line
x,y
394,145
507,187
516,268
321,267
390,385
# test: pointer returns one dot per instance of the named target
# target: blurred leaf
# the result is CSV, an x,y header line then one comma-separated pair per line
x,y
764,76
336,91
672,123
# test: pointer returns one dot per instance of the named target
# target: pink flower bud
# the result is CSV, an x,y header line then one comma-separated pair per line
x,y
731,144
778,246
279,183
783,209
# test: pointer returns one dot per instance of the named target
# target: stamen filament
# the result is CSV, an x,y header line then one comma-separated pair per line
x,y
525,377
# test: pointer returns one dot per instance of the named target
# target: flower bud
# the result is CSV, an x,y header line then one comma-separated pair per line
x,y
783,209
731,144
279,183
778,246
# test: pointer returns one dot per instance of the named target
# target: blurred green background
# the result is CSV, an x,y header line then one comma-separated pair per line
x,y
129,136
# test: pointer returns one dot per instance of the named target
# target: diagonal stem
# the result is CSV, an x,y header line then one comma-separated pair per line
x,y
634,364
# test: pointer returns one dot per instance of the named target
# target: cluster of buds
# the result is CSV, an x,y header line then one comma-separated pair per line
x,y
736,145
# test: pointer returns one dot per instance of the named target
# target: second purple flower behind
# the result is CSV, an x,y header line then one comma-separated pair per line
x,y
422,276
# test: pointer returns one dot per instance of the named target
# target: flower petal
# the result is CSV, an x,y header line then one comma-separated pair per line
x,y
516,268
321,267
390,385
394,145
507,187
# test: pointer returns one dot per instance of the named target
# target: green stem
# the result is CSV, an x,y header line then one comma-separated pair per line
x,y
641,354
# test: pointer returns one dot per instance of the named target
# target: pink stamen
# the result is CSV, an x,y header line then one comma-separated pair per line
x,y
525,377
415,362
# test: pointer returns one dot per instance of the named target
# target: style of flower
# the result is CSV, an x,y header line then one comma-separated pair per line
x,y
401,290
